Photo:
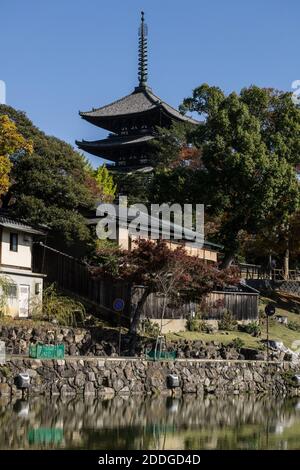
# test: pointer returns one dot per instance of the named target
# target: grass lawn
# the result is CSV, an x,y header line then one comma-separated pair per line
x,y
277,331
280,332
220,336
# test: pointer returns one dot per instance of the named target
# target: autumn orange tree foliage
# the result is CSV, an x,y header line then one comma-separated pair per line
x,y
12,143
159,269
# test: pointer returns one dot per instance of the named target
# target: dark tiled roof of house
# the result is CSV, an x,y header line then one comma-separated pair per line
x,y
163,228
20,225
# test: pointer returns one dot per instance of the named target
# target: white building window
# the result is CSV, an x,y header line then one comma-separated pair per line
x,y
13,241
12,291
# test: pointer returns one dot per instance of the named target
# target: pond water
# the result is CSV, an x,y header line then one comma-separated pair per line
x,y
151,423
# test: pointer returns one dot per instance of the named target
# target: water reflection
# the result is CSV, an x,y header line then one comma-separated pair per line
x,y
151,423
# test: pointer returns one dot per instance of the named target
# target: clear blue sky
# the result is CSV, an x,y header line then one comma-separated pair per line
x,y
61,56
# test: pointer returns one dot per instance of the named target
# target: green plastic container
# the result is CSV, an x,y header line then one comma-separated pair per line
x,y
170,355
45,436
47,351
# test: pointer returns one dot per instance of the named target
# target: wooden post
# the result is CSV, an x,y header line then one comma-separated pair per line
x,y
286,263
268,338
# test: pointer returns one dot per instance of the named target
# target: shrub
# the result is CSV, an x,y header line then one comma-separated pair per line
x,y
5,284
252,329
149,328
288,377
293,325
192,324
261,315
227,322
63,309
237,343
197,324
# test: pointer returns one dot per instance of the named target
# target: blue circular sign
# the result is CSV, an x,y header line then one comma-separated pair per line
x,y
118,305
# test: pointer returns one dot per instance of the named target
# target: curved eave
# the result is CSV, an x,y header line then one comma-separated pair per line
x,y
103,121
178,116
109,122
94,150
106,147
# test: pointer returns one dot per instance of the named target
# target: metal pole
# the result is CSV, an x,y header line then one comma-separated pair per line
x,y
120,335
268,338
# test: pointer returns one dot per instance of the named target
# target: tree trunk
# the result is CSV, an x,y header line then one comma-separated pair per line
x,y
6,198
163,313
138,310
228,259
286,261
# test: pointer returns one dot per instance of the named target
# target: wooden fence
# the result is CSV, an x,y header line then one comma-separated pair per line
x,y
72,275
256,271
242,305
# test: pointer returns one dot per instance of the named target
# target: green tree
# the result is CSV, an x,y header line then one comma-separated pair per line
x,y
179,184
105,183
12,143
249,178
171,146
280,128
135,185
50,185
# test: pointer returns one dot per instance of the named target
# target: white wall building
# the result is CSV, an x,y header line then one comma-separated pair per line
x,y
25,287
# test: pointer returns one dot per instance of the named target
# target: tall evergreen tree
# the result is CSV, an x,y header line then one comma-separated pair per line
x,y
49,185
249,152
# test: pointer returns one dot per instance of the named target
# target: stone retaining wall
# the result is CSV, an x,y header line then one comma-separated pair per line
x,y
93,341
104,342
110,376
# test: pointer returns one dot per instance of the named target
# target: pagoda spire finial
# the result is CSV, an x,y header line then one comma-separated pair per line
x,y
143,57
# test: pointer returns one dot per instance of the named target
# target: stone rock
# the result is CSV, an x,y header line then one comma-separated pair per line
x,y
117,384
35,363
248,375
189,387
89,388
54,389
128,372
79,337
73,364
22,345
259,357
5,390
69,338
80,379
67,390
106,392
32,373
91,377
67,373
47,373
206,382
72,350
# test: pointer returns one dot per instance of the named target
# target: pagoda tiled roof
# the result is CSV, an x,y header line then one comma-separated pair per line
x,y
115,141
140,101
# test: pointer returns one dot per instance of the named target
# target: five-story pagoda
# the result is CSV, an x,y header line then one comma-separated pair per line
x,y
131,120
